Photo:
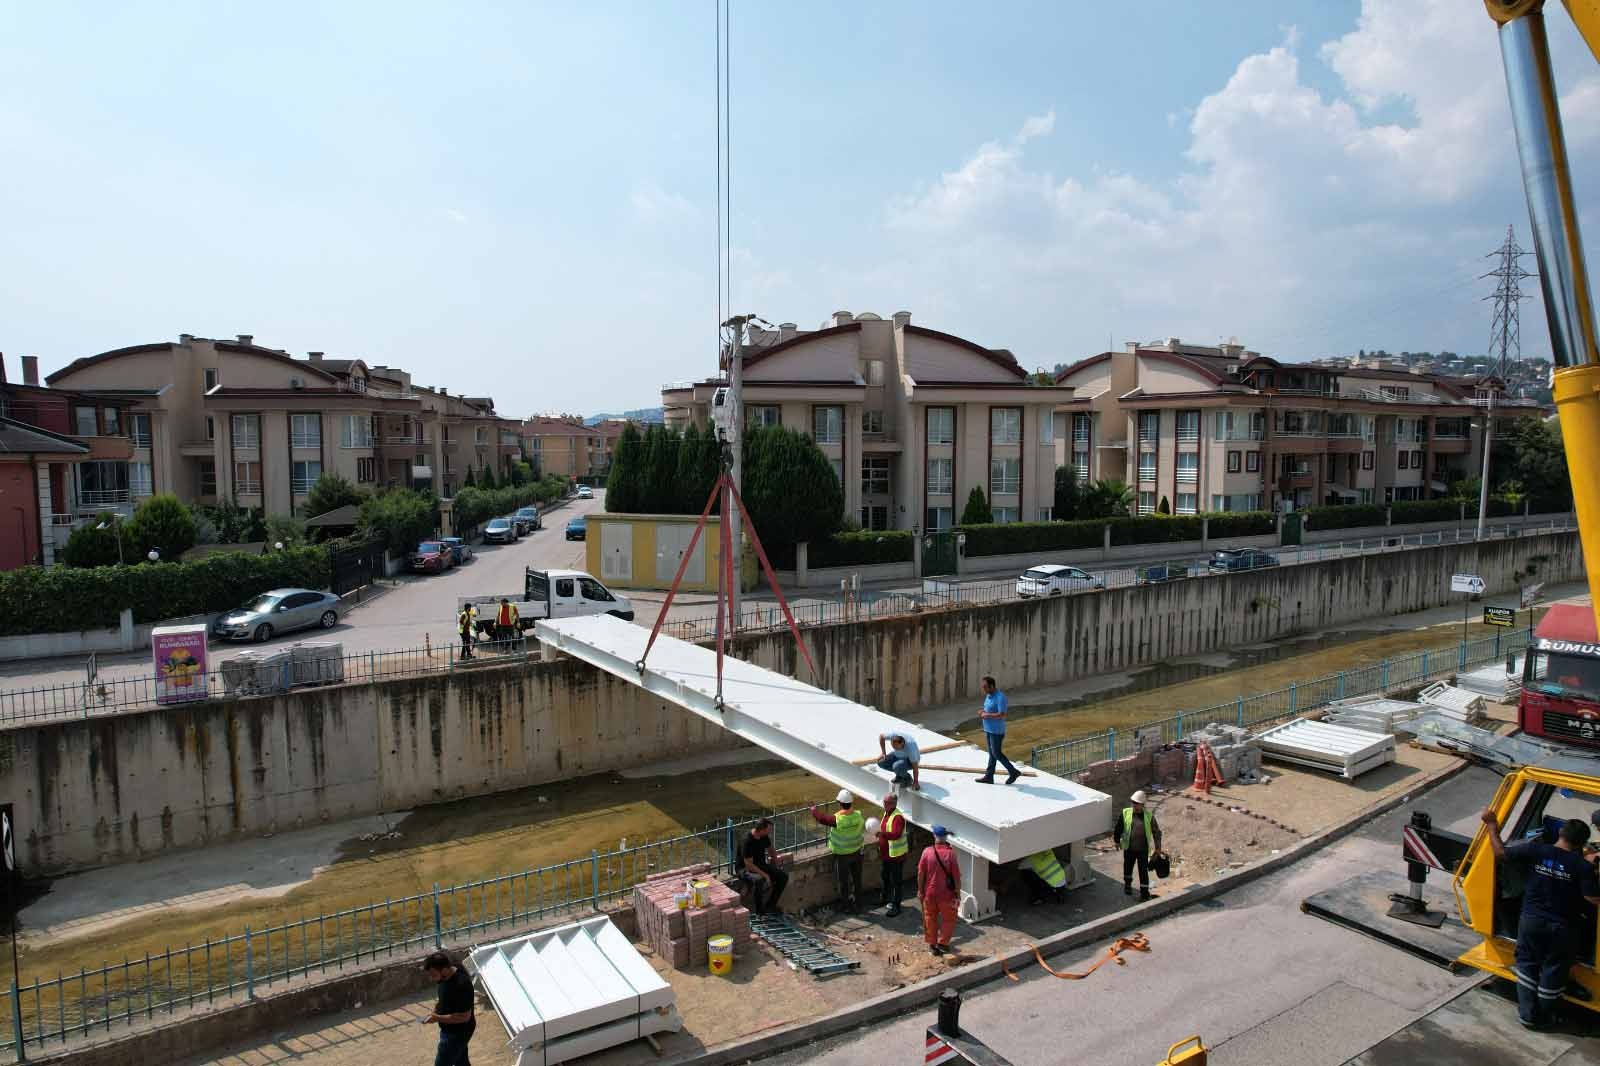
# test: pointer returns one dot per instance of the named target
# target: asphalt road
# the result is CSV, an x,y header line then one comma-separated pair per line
x,y
1260,981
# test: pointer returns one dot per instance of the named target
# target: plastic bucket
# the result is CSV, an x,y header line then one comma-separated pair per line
x,y
719,953
698,890
680,900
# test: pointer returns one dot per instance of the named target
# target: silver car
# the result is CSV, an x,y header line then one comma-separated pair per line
x,y
279,611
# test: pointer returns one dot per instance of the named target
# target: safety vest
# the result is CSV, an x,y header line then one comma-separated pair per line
x,y
1047,866
508,614
847,833
898,846
465,621
1127,829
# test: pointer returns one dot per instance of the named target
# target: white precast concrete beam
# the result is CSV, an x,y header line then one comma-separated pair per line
x,y
824,733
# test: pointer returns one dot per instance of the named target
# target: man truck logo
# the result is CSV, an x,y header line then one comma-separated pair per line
x,y
1570,647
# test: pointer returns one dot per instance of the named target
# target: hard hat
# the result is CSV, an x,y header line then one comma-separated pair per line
x,y
872,825
1139,796
845,797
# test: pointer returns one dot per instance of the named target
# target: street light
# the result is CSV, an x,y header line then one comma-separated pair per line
x,y
111,520
154,555
278,545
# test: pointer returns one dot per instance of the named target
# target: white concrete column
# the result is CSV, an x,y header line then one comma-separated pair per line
x,y
47,532
977,898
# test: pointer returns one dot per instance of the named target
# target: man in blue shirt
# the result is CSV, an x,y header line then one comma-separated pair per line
x,y
902,761
1557,881
994,731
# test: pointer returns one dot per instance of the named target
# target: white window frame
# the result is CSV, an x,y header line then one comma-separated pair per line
x,y
1047,428
139,427
1190,507
298,436
872,423
1188,435
1005,476
875,475
827,424
763,414
1047,514
300,483
874,374
246,431
1147,503
355,431
941,425
78,414
1005,425
1004,516
941,475
140,478
210,378
1188,469
940,518
242,486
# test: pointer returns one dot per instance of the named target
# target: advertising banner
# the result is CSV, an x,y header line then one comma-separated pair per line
x,y
180,663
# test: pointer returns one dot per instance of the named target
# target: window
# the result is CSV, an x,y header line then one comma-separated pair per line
x,y
1239,425
211,428
838,469
1188,468
1005,425
355,431
212,377
1004,515
303,475
139,481
1080,431
1366,460
1147,466
875,475
593,590
827,424
565,588
1188,426
246,431
208,477
939,476
763,415
1252,462
874,371
1047,514
1149,428
872,422
246,479
1405,460
366,470
1047,428
1186,503
1005,477
113,422
1416,460
1247,501
480,436
941,425
875,517
305,431
84,422
1395,392
141,430
940,517
1147,503
1080,465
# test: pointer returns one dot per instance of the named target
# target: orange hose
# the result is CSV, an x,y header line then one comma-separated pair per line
x,y
1136,942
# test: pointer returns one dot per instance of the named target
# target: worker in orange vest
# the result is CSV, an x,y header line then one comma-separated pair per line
x,y
507,626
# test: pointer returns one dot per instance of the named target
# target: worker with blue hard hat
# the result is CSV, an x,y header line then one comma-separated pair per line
x,y
939,890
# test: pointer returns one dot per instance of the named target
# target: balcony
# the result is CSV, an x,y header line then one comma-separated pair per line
x,y
407,439
104,499
248,488
1251,433
1188,476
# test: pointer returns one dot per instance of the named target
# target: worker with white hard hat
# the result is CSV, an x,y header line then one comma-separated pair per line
x,y
847,832
1139,837
893,846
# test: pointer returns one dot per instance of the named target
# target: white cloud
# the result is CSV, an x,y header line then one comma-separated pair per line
x,y
1037,126
656,206
456,216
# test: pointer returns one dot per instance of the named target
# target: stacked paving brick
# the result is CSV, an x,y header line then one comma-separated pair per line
x,y
681,936
1238,753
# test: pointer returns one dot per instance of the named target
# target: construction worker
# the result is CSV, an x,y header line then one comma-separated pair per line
x,y
467,622
761,869
994,731
847,832
1139,837
1045,877
892,848
939,891
902,761
506,622
1556,881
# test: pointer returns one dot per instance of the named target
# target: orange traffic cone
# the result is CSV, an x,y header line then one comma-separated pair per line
x,y
1206,770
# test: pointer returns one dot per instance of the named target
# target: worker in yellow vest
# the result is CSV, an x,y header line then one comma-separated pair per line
x,y
893,844
847,832
1139,837
1045,877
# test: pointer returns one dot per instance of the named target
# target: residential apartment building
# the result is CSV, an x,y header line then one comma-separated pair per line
x,y
912,419
217,420
64,459
1226,429
564,445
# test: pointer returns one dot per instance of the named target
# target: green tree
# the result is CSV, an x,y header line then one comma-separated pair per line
x,y
286,529
622,485
331,492
95,543
469,481
162,523
977,512
1104,499
660,488
1529,451
699,463
400,517
486,480
1066,499
1163,507
789,487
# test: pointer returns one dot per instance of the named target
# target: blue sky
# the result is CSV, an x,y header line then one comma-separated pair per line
x,y
517,199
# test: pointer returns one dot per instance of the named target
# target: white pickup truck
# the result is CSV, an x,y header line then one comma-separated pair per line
x,y
550,594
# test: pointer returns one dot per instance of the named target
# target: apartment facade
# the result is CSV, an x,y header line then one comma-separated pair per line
x,y
912,419
564,445
1225,429
216,420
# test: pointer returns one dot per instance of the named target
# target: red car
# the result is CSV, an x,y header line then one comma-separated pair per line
x,y
431,557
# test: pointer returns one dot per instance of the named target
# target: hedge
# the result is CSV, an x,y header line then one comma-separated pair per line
x,y
1016,538
65,599
1344,516
474,506
863,548
1351,515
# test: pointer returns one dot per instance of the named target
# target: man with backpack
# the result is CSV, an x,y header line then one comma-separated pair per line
x,y
939,890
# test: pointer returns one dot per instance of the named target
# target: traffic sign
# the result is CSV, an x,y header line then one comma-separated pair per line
x,y
1500,616
1530,594
1470,583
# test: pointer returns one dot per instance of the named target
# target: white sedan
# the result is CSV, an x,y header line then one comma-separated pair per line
x,y
585,492
1052,579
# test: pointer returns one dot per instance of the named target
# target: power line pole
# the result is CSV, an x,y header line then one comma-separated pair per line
x,y
736,460
1505,336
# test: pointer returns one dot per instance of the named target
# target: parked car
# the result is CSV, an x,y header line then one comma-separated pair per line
x,y
1226,561
578,529
1052,579
431,557
499,531
527,520
279,611
460,550
585,492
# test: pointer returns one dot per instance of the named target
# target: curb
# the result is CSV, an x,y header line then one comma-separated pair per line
x,y
901,1001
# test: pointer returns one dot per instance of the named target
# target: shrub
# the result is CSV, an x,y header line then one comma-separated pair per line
x,y
1017,537
474,506
286,529
1405,511
96,543
977,512
400,518
162,523
790,488
1066,494
862,548
1241,523
34,599
1154,529
235,524
331,492
1344,516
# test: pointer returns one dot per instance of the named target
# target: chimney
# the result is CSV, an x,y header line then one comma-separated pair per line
x,y
186,339
787,330
30,370
247,338
315,357
902,319
843,318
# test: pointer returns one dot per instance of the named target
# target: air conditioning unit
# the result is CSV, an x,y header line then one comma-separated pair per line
x,y
297,383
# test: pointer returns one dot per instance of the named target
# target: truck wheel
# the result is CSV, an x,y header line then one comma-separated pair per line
x,y
263,633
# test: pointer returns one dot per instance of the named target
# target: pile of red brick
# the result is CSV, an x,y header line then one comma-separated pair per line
x,y
681,935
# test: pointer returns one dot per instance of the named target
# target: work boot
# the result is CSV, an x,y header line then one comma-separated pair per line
x,y
1144,893
892,912
1011,778
985,780
1127,888
934,949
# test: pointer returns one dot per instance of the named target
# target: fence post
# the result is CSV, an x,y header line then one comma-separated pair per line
x,y
1293,697
16,1022
372,664
1424,664
1461,657
1241,712
1180,726
1497,644
1340,688
249,966
438,919
1383,676
733,855
1033,756
594,865
1111,738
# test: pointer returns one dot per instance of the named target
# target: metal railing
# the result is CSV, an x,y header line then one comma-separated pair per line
x,y
1074,754
48,1013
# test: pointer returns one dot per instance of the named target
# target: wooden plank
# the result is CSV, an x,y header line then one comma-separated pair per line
x,y
932,747
972,770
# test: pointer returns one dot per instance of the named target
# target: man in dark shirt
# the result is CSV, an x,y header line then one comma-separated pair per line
x,y
759,866
1557,881
453,1014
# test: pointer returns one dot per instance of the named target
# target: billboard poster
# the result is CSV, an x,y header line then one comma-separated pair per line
x,y
180,663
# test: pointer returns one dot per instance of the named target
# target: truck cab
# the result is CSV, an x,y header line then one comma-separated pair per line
x,y
1561,678
573,592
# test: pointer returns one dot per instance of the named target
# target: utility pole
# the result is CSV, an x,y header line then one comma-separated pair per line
x,y
735,420
1505,335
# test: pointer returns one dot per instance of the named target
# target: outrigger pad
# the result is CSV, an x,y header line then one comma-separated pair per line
x,y
1414,911
1363,904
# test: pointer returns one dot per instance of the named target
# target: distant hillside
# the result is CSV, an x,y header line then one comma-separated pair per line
x,y
638,414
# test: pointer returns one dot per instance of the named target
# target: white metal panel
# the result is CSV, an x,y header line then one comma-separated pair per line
x,y
672,540
1345,751
616,551
823,733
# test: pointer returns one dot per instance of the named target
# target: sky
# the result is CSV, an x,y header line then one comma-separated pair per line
x,y
518,199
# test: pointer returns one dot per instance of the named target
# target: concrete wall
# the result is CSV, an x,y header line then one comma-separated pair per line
x,y
118,788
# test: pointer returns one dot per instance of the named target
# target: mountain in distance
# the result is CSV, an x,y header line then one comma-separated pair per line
x,y
638,414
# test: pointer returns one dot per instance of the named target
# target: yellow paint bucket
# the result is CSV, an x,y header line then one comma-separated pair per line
x,y
719,953
680,900
698,890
